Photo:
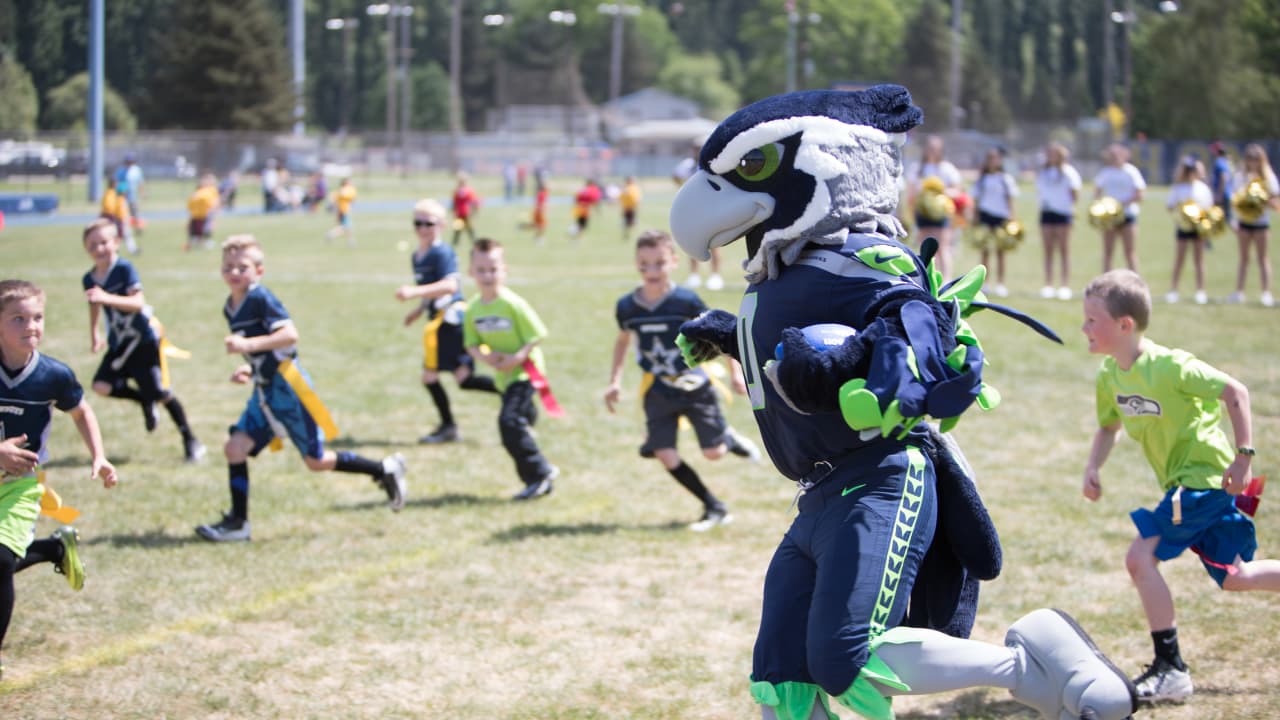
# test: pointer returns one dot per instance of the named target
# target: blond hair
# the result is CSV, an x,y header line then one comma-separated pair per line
x,y
1124,294
100,224
429,206
12,291
246,244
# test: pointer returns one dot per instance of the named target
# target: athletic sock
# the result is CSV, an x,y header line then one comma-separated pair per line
x,y
441,399
1166,646
179,416
238,474
350,462
48,550
688,478
483,383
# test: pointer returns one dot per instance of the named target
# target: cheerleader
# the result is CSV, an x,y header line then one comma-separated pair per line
x,y
993,196
1189,187
1120,180
1252,210
932,165
1058,185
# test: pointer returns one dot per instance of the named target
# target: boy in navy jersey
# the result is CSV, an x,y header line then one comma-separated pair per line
x,y
283,401
31,386
653,313
438,288
113,288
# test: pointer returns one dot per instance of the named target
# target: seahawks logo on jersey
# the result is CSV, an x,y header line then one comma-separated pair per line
x,y
1137,406
493,323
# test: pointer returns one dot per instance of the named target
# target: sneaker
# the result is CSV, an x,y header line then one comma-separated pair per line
x,y
1064,293
228,529
1267,300
1235,298
392,480
70,564
1162,682
194,450
693,282
1001,291
1201,297
149,417
443,434
538,489
715,282
1047,292
742,446
1063,674
713,516
1171,297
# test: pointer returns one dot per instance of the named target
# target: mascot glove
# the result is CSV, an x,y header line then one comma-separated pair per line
x,y
809,378
707,336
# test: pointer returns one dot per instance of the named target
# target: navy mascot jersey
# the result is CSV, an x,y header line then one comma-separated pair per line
x,y
260,313
824,284
27,400
434,265
657,326
122,327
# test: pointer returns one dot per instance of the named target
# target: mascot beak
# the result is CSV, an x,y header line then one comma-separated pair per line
x,y
709,212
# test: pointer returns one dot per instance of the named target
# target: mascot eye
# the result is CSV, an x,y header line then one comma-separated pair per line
x,y
761,163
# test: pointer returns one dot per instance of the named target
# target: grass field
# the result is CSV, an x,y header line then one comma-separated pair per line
x,y
595,602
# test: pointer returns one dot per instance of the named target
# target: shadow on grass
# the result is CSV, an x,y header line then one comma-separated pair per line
x,y
520,533
974,704
346,443
148,539
75,462
439,501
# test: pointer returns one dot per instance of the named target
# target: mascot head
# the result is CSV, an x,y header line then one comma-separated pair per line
x,y
806,167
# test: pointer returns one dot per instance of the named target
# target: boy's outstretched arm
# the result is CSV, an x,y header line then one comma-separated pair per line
x,y
87,424
283,336
613,393
1103,441
1235,397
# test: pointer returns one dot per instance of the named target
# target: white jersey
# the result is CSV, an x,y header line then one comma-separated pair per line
x,y
1196,191
1241,180
994,193
1057,188
944,171
1123,184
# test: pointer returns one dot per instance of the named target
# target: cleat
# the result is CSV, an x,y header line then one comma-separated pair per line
x,y
714,516
1047,292
149,418
194,450
392,480
228,529
540,488
742,446
1064,293
1267,299
1062,674
1162,682
693,282
443,434
715,282
70,564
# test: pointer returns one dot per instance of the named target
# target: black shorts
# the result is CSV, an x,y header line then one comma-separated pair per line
x,y
991,221
442,346
665,404
138,361
1186,235
1264,225
628,217
1049,217
198,227
924,222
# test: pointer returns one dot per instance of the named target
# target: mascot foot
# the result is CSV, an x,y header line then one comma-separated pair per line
x,y
1063,674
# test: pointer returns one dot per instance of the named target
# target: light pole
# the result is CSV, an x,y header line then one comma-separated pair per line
x,y
347,26
568,19
1125,19
619,11
392,11
957,13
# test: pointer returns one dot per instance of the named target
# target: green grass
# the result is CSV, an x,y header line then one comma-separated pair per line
x,y
592,603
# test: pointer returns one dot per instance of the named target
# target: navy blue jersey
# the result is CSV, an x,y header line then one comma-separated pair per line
x,y
657,326
122,327
434,265
824,285
27,400
260,314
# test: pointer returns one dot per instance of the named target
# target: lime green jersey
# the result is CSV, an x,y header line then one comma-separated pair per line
x,y
1168,403
506,324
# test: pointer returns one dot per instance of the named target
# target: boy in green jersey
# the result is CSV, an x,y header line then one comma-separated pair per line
x,y
503,331
1170,402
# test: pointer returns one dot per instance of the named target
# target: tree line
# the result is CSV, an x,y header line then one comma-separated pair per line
x,y
1210,69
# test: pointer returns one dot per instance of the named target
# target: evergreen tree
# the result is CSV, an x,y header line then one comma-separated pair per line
x,y
219,64
925,63
18,111
67,107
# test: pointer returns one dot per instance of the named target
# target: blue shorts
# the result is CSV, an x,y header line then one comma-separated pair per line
x,y
274,410
1211,527
1049,217
924,222
844,571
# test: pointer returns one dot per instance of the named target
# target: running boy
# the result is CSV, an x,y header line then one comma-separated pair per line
x,y
31,385
438,287
1169,401
503,331
283,401
114,289
342,199
629,200
465,204
201,207
654,313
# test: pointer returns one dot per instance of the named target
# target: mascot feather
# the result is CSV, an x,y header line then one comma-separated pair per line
x,y
873,591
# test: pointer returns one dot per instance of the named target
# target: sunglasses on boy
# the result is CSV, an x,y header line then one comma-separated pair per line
x,y
425,223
